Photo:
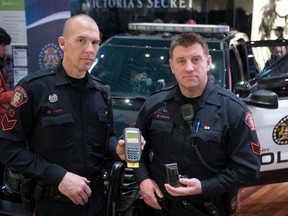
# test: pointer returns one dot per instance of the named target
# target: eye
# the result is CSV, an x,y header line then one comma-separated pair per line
x,y
97,42
81,40
195,60
181,61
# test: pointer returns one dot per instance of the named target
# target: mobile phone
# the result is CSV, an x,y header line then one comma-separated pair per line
x,y
132,137
172,174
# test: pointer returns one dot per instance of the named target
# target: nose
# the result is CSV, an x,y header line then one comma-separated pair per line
x,y
189,66
91,48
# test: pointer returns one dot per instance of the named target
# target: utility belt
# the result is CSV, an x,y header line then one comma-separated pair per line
x,y
52,192
203,208
32,191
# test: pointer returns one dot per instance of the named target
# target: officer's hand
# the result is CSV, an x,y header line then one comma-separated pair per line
x,y
120,149
148,189
75,188
188,187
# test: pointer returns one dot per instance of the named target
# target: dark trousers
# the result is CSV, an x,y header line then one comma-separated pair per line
x,y
95,207
194,209
173,210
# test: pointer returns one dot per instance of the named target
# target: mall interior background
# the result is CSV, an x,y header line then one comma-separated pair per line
x,y
236,13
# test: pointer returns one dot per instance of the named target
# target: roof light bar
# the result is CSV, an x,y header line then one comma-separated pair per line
x,y
172,27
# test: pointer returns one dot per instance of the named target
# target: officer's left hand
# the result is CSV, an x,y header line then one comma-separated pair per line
x,y
120,149
188,187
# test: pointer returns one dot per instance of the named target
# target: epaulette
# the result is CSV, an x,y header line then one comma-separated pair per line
x,y
94,78
231,95
39,74
104,89
164,89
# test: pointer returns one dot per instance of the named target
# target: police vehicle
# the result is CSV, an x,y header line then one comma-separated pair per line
x,y
136,63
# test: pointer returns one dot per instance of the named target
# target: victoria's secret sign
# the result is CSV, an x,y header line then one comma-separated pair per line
x,y
140,3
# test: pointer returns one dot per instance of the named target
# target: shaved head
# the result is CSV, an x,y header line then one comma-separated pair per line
x,y
70,23
80,43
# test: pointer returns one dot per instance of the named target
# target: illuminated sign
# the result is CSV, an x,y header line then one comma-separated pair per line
x,y
140,3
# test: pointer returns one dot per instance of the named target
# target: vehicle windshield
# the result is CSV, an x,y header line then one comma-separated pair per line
x,y
134,71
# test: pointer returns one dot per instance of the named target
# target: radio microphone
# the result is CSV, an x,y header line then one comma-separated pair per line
x,y
187,113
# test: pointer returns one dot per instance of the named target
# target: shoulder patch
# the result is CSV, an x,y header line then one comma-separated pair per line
x,y
256,148
8,124
20,97
249,121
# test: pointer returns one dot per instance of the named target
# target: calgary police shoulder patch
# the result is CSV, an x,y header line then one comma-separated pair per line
x,y
249,121
20,97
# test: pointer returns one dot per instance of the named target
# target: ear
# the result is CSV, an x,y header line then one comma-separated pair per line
x,y
61,42
209,62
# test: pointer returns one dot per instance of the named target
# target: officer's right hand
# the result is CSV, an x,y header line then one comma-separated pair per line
x,y
148,189
76,188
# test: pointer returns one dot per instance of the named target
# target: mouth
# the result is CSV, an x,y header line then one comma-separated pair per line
x,y
88,60
189,77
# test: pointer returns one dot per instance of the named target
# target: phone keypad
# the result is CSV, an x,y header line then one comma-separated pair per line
x,y
133,153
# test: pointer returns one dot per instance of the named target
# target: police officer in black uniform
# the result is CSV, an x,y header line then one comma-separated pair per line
x,y
55,129
212,139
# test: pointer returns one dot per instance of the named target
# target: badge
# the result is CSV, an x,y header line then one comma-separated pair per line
x,y
20,97
249,121
53,98
161,116
280,132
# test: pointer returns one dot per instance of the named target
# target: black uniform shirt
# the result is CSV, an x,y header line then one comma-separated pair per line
x,y
222,127
61,135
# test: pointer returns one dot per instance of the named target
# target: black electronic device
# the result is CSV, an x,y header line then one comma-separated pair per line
x,y
187,112
132,137
172,174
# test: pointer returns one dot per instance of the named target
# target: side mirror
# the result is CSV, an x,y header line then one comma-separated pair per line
x,y
242,89
262,98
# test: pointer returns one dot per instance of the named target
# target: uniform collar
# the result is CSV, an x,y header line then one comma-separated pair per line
x,y
62,78
209,95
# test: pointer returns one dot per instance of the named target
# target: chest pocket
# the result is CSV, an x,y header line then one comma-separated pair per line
x,y
56,120
211,146
59,127
161,134
161,126
208,135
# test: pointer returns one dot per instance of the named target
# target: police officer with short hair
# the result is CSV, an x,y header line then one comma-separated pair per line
x,y
212,139
55,129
